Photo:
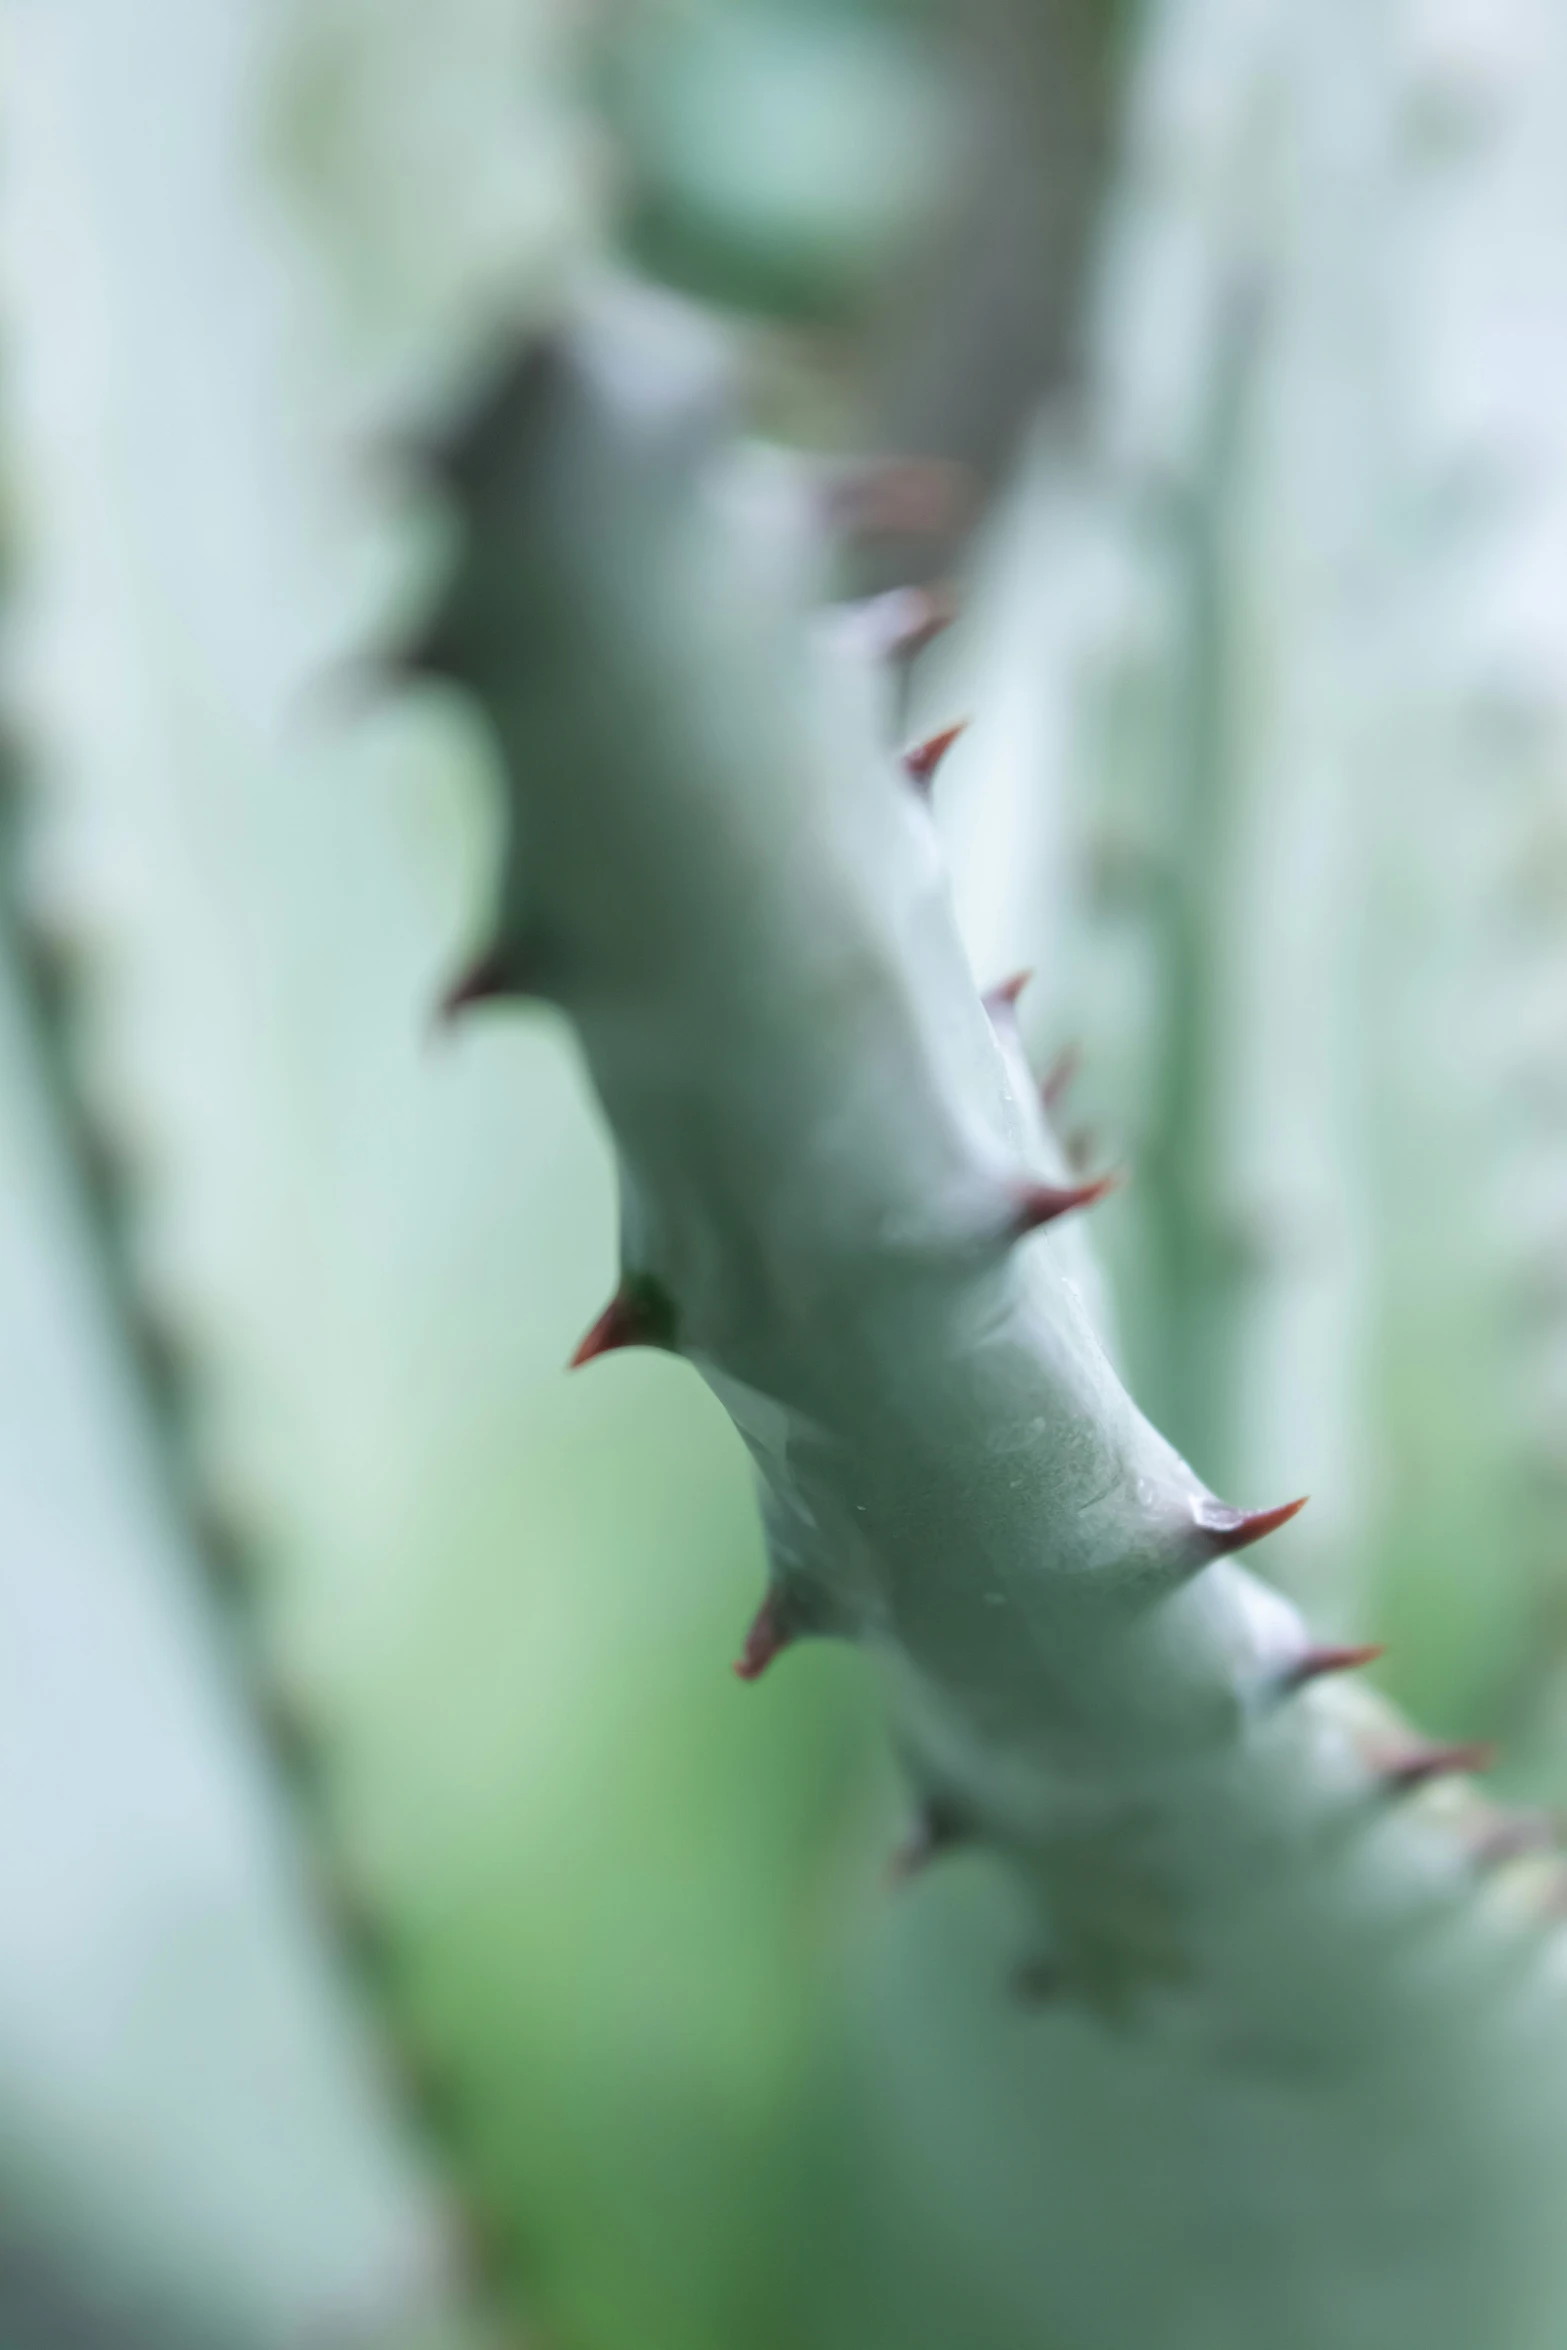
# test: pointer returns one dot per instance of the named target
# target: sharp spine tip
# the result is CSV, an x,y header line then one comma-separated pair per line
x,y
921,762
1039,1204
1001,1001
607,1336
766,1639
1223,1529
637,1315
1422,1764
482,983
1315,1662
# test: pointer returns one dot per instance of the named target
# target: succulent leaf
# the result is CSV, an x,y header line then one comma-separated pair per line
x,y
756,948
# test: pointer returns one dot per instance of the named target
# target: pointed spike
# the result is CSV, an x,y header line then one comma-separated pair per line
x,y
1422,1764
1315,1662
639,1314
1223,1529
1001,1001
1060,1074
608,1334
920,763
484,981
767,1638
1041,1203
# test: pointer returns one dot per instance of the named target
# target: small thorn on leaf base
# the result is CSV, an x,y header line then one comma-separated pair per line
x,y
1041,1203
1314,1663
639,1314
767,1638
1223,1529
1405,1772
484,982
920,763
1001,1001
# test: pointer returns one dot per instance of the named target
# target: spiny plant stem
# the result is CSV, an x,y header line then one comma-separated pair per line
x,y
834,1184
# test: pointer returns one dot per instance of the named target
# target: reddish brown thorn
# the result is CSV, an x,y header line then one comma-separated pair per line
x,y
481,983
766,1639
1042,1203
1059,1076
920,764
1002,1000
1315,1662
613,1330
1224,1529
1424,1763
639,1314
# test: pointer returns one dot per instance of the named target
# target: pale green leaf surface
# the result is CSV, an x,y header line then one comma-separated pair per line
x,y
507,1604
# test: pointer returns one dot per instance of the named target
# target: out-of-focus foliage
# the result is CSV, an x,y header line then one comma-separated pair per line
x,y
781,158
190,2142
500,1605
